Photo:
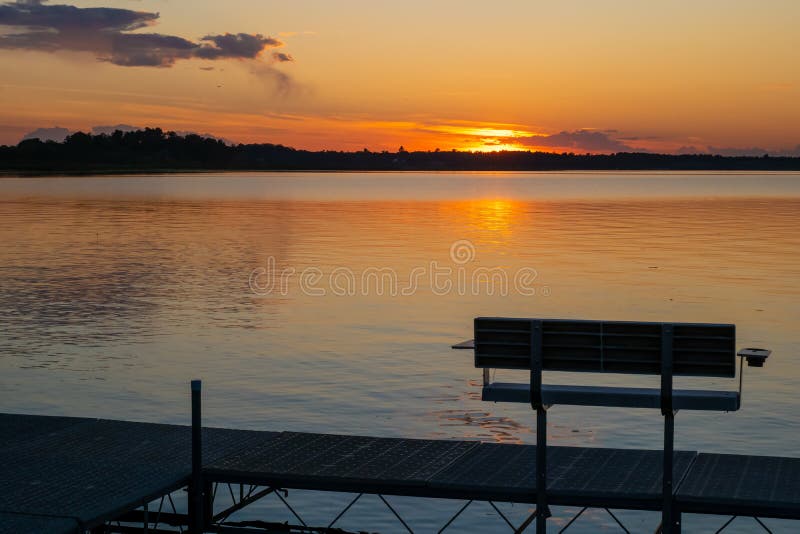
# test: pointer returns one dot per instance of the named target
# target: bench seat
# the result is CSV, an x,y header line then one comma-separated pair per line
x,y
621,397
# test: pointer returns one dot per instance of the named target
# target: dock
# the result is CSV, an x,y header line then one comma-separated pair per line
x,y
66,475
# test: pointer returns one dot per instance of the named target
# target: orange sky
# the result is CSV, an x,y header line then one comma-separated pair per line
x,y
580,76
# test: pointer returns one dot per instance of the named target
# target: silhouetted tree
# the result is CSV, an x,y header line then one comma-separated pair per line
x,y
153,149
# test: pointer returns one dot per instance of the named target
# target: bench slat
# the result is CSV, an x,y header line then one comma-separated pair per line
x,y
606,346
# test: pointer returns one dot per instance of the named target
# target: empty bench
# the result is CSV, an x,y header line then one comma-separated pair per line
x,y
645,348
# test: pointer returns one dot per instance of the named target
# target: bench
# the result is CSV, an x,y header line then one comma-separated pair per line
x,y
620,347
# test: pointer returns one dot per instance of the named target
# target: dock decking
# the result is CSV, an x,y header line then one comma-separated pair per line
x,y
92,470
67,475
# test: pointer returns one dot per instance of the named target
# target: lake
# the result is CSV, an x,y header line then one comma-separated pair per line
x,y
327,302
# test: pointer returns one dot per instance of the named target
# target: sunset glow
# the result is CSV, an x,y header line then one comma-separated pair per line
x,y
578,77
493,146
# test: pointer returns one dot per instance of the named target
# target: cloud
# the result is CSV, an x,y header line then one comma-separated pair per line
x,y
282,83
588,140
492,141
282,57
640,138
740,151
35,14
240,45
148,50
56,134
106,33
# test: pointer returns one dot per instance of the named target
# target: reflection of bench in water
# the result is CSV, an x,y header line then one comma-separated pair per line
x,y
68,475
663,349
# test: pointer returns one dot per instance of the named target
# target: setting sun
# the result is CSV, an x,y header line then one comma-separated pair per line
x,y
491,146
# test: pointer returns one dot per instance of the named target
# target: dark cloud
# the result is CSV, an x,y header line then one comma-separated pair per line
x,y
149,50
281,57
588,140
105,32
241,45
35,14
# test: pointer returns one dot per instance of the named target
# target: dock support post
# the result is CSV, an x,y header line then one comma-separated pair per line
x,y
667,516
537,403
196,488
541,471
670,522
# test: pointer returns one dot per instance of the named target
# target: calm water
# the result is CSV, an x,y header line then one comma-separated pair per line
x,y
116,291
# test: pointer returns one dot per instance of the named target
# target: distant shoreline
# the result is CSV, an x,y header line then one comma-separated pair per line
x,y
152,151
60,173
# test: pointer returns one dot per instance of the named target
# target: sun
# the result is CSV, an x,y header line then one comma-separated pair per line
x,y
495,147
486,137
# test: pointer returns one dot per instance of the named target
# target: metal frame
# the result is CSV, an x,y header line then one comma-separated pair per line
x,y
196,516
575,518
729,521
246,494
202,489
670,521
622,397
542,510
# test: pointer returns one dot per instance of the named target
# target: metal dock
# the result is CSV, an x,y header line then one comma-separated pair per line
x,y
70,475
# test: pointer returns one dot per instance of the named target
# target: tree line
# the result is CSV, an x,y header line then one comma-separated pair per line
x,y
153,149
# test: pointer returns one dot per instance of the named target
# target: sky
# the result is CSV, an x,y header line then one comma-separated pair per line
x,y
578,76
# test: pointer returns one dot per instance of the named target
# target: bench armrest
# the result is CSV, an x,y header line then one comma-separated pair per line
x,y
468,344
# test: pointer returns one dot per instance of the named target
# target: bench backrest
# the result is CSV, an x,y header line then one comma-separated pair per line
x,y
606,346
